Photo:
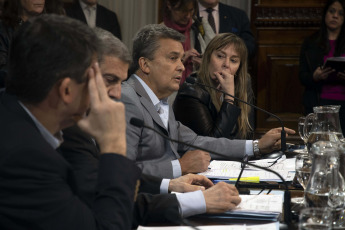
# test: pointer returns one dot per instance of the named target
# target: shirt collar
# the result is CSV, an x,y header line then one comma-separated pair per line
x,y
151,94
202,8
85,6
54,140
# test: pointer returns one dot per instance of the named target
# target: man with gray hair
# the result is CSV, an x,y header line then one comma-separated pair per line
x,y
156,73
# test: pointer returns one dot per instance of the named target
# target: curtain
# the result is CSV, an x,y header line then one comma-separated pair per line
x,y
132,15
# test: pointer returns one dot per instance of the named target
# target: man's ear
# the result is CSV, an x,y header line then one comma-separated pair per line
x,y
65,90
144,65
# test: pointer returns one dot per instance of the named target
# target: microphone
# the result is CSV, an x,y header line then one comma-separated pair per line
x,y
287,196
192,80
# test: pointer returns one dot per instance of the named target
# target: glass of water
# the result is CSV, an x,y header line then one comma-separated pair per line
x,y
304,132
303,169
315,218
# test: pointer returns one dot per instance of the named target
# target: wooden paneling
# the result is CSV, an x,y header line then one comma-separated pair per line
x,y
280,27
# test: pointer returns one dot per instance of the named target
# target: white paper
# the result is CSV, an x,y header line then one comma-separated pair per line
x,y
231,169
258,203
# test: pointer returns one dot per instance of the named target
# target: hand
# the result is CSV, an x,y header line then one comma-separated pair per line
x,y
189,183
190,53
196,62
106,119
341,75
226,83
271,140
221,197
194,161
322,74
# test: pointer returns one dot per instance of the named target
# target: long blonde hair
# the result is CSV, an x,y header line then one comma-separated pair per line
x,y
243,89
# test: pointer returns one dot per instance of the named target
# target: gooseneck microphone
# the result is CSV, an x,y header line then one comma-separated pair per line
x,y
287,197
192,80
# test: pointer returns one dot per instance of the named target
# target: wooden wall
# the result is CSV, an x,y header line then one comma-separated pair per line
x,y
280,27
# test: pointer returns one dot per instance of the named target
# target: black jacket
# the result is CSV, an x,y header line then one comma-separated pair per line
x,y
193,107
37,189
80,150
105,18
311,57
6,34
234,20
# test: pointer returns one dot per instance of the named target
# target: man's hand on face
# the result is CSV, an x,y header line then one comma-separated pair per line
x,y
106,119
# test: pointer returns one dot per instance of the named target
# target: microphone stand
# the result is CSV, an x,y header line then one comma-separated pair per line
x,y
287,196
192,80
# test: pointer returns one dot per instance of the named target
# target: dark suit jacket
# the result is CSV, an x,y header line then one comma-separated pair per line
x,y
37,184
81,151
234,20
311,57
105,18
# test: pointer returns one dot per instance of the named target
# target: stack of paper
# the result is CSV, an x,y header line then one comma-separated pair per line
x,y
231,169
255,207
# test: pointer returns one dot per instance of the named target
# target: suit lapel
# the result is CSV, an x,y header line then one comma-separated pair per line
x,y
148,105
223,19
79,13
146,101
99,16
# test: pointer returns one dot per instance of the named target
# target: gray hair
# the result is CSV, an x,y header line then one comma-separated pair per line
x,y
111,46
146,42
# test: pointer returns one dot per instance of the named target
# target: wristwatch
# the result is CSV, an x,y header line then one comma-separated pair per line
x,y
256,149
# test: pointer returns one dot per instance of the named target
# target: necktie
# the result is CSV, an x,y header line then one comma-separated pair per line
x,y
91,16
210,19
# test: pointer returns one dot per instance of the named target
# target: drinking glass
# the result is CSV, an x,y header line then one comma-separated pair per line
x,y
304,132
315,218
303,169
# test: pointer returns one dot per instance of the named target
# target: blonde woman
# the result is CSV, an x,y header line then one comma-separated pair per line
x,y
208,112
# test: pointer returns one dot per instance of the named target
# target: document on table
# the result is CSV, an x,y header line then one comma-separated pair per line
x,y
231,169
254,207
260,203
270,226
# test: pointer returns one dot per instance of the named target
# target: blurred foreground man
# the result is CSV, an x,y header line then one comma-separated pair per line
x,y
55,79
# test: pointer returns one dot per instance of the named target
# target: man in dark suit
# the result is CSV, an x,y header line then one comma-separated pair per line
x,y
54,80
228,19
94,14
82,152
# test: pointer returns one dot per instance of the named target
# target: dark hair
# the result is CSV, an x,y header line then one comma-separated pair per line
x,y
322,35
179,5
13,8
146,42
45,50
